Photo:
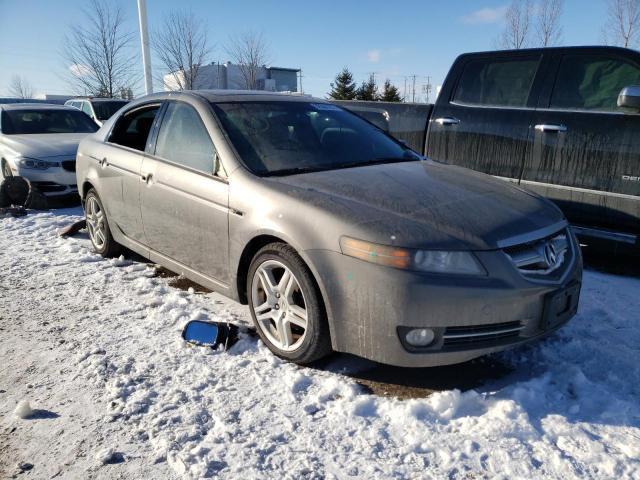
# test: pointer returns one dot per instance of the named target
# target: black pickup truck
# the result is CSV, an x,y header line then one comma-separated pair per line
x,y
563,122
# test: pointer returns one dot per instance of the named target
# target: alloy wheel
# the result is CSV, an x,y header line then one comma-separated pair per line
x,y
95,223
279,305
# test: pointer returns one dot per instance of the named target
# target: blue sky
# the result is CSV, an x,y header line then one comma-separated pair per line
x,y
394,39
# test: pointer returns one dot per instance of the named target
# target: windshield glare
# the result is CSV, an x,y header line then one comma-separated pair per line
x,y
24,122
104,110
289,137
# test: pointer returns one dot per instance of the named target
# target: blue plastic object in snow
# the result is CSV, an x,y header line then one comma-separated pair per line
x,y
210,334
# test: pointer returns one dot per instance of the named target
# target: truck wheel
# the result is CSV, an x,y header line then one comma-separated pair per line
x,y
286,305
98,226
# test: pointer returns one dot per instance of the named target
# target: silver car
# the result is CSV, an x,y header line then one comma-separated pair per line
x,y
39,142
337,236
98,109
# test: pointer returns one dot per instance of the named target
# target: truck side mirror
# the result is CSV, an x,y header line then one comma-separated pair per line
x,y
630,97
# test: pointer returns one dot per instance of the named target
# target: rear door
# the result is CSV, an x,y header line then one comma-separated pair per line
x,y
184,201
586,151
482,117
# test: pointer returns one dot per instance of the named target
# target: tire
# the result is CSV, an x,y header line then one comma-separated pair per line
x,y
6,170
282,312
103,244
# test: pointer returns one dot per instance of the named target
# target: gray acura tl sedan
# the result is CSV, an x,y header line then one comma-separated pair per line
x,y
337,236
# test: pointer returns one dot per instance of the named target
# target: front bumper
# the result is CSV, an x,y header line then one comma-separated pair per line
x,y
53,181
369,306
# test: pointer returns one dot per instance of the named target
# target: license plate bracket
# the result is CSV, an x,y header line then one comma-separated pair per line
x,y
561,305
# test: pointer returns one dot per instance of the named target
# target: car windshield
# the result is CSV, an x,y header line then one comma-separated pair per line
x,y
36,121
104,110
286,137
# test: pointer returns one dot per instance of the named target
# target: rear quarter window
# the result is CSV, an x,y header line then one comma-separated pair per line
x,y
497,82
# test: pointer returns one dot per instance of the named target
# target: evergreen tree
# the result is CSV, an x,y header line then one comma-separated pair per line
x,y
368,90
390,93
344,88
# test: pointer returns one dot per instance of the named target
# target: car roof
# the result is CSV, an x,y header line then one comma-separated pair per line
x,y
100,99
576,48
36,106
257,95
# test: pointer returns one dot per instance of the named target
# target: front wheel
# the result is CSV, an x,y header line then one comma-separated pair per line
x,y
286,305
98,226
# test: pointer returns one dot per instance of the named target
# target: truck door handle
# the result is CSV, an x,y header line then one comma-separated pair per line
x,y
447,121
146,177
546,127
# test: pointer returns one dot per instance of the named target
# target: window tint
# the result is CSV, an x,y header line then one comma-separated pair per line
x,y
592,82
132,129
34,121
183,138
497,82
104,110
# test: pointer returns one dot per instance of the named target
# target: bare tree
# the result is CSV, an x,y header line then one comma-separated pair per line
x,y
623,22
182,46
250,51
20,87
517,25
99,53
548,28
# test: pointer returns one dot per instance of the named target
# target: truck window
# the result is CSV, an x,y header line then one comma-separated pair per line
x,y
587,82
497,82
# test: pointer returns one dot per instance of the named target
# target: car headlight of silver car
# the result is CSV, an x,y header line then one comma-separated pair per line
x,y
35,164
432,261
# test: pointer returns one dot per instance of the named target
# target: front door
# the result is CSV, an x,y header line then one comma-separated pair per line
x,y
482,120
184,202
586,150
120,160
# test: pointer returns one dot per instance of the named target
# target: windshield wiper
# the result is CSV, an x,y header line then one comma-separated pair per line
x,y
377,161
374,161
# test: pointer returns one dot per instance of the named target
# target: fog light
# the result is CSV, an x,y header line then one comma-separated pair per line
x,y
420,337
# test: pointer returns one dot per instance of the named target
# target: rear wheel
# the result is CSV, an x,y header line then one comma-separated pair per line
x,y
286,306
98,226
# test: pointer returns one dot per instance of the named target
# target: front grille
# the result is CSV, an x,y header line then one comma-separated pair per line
x,y
69,165
482,334
49,186
544,259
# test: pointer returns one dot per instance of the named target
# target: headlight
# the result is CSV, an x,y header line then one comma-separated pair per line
x,y
34,164
434,261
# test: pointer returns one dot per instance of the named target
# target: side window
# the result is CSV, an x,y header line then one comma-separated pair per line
x,y
587,82
183,138
86,108
497,82
133,127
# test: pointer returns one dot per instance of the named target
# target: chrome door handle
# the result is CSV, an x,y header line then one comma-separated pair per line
x,y
447,121
546,127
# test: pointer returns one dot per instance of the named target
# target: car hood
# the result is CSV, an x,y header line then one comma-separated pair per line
x,y
424,205
45,145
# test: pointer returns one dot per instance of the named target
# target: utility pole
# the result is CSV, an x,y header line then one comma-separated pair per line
x,y
300,72
413,90
404,98
144,40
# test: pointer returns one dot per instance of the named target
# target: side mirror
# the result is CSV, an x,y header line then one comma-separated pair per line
x,y
210,334
630,97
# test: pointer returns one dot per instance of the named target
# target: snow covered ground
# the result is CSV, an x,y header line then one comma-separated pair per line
x,y
94,346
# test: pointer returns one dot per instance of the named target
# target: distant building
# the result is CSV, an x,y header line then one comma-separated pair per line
x,y
228,76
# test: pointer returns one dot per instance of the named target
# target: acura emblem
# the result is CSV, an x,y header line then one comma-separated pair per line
x,y
550,254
